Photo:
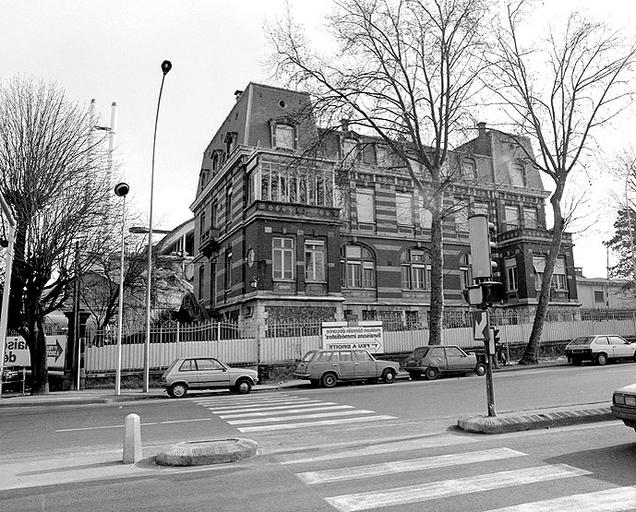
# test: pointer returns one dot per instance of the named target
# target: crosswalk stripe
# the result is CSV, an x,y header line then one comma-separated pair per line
x,y
609,500
252,403
289,409
256,408
289,426
234,398
276,419
454,487
392,447
384,468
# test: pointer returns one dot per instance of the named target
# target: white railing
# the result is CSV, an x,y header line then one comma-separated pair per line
x,y
284,342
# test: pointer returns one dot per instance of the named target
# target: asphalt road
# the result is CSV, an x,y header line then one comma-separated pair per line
x,y
354,447
345,413
582,469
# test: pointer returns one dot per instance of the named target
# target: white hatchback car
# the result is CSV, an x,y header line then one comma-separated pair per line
x,y
205,373
600,349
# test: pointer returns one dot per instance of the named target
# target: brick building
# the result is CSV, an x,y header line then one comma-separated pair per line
x,y
296,222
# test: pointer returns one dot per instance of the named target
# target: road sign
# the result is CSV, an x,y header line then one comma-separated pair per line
x,y
17,352
365,335
480,325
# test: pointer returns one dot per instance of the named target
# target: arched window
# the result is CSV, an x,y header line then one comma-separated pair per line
x,y
359,267
416,270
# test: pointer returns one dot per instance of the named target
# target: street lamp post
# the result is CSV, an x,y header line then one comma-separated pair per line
x,y
121,190
166,66
4,308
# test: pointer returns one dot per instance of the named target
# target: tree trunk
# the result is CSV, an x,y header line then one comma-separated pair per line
x,y
531,353
437,276
36,341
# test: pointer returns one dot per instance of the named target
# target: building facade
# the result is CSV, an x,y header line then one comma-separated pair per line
x,y
301,223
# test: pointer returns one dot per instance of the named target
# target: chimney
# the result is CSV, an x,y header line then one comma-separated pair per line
x,y
238,94
481,127
344,125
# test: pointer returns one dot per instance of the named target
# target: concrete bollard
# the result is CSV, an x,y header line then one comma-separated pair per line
x,y
132,440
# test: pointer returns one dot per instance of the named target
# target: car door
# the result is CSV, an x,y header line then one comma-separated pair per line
x,y
457,360
212,374
601,344
620,348
188,373
436,358
345,365
364,366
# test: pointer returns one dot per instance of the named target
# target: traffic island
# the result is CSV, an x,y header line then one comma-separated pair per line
x,y
529,420
200,453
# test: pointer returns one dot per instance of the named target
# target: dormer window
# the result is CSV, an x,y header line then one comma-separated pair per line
x,y
284,136
350,150
284,133
217,159
230,142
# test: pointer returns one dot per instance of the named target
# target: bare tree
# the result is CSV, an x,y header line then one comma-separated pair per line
x,y
100,284
577,86
406,72
57,188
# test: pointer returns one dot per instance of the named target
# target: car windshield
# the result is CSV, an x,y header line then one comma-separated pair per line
x,y
583,340
419,353
307,357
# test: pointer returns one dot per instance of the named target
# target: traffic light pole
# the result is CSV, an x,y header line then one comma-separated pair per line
x,y
490,385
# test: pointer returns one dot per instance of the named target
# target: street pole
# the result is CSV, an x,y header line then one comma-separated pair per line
x,y
76,315
6,291
121,189
628,211
490,385
166,66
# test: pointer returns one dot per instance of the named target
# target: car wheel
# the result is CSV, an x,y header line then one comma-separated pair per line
x,y
431,373
178,390
480,369
415,375
329,380
601,359
243,387
388,376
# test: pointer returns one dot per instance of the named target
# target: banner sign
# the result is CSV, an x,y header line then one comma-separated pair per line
x,y
367,335
17,353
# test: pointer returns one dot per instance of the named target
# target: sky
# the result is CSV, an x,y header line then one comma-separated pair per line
x,y
111,51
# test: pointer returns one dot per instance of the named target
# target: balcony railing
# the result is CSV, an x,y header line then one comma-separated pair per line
x,y
530,233
294,210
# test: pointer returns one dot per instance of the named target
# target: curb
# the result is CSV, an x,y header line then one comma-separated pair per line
x,y
515,422
201,453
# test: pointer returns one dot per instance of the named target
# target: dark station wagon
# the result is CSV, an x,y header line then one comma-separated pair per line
x,y
435,360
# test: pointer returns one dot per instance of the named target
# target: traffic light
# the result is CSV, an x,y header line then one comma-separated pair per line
x,y
495,336
482,245
492,291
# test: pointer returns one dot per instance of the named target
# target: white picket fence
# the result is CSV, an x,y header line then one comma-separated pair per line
x,y
247,348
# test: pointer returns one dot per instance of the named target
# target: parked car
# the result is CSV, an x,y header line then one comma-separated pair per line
x,y
205,373
326,367
624,405
433,361
600,349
